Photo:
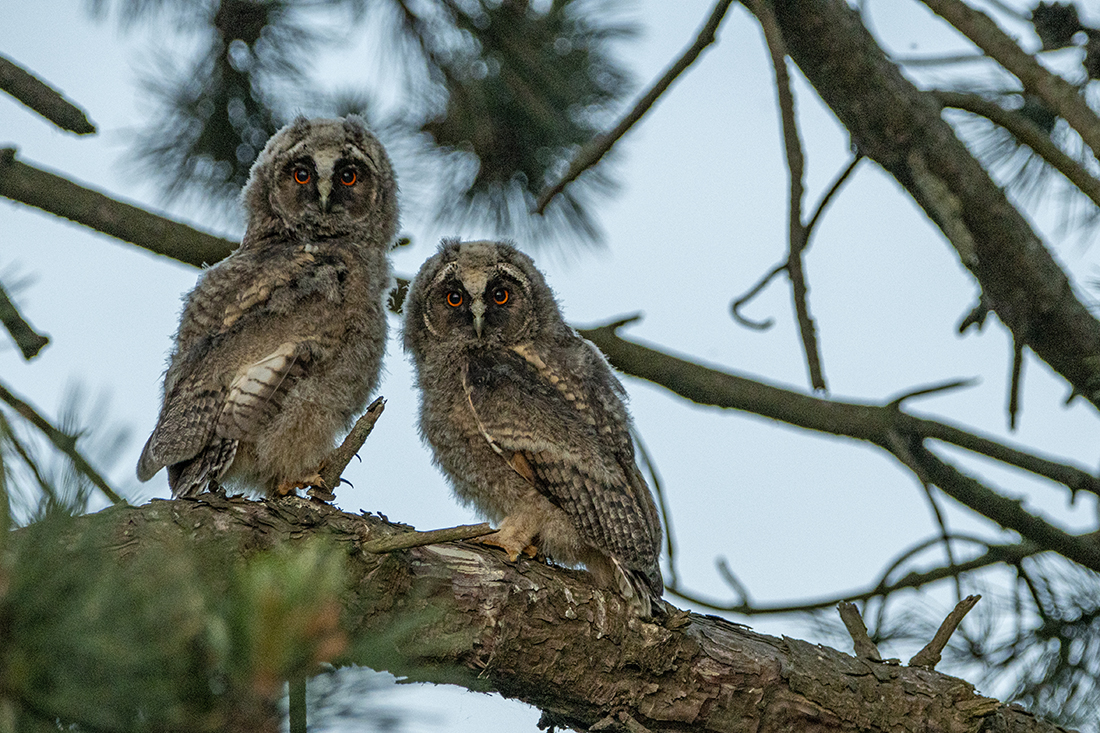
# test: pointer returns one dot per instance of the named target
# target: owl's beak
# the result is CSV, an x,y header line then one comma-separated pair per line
x,y
324,188
477,308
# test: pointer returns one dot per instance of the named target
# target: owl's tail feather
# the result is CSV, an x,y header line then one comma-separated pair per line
x,y
639,588
190,478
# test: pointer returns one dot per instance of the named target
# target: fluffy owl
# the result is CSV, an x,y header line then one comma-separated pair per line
x,y
281,343
526,419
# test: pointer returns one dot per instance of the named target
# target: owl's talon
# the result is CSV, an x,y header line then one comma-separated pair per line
x,y
508,541
309,482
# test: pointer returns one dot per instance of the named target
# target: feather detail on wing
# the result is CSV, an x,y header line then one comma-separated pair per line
x,y
569,449
193,420
255,393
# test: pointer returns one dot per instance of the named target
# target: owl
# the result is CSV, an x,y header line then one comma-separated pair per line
x,y
281,343
526,419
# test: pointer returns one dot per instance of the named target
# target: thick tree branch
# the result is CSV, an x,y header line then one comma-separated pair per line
x,y
1058,93
42,98
61,197
599,146
900,127
549,637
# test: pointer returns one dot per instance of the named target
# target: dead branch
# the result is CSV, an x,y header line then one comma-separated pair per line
x,y
864,647
336,461
929,656
42,98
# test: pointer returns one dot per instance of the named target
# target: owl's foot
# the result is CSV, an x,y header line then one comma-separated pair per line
x,y
510,541
309,482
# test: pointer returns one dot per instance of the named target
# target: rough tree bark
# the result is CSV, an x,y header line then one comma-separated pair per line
x,y
547,636
900,127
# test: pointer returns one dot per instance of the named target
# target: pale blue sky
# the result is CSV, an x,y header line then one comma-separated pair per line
x,y
701,215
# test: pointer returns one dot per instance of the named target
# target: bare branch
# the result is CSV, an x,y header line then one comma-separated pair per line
x,y
797,234
1059,94
406,540
42,98
828,197
62,441
1029,134
735,306
597,147
336,461
29,341
864,647
1010,554
860,421
929,656
61,197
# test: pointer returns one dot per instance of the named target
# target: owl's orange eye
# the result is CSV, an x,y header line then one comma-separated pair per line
x,y
501,296
302,175
454,298
348,177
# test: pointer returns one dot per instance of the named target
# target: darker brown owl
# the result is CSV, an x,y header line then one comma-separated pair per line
x,y
527,420
281,343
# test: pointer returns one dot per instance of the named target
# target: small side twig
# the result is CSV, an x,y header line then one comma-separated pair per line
x,y
599,146
406,540
864,647
62,441
29,341
1014,385
336,461
929,656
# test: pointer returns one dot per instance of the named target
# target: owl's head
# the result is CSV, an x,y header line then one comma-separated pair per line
x,y
320,178
486,293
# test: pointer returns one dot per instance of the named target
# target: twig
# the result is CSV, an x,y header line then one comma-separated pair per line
x,y
950,58
1008,554
29,341
828,197
1014,383
1029,134
864,647
735,306
406,540
798,236
336,461
1006,512
1059,94
599,146
64,443
932,389
42,98
929,656
61,197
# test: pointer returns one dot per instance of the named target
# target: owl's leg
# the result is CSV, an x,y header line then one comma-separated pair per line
x,y
515,535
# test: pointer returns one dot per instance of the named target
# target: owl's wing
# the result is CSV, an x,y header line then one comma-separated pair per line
x,y
561,437
196,418
214,391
